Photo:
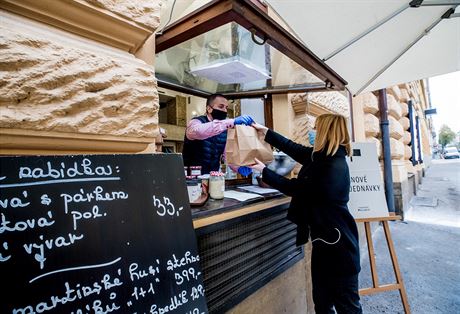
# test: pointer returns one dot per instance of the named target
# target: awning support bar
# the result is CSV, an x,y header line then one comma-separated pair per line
x,y
351,42
439,3
425,32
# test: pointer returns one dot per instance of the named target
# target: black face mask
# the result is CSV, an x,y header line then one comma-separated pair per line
x,y
218,114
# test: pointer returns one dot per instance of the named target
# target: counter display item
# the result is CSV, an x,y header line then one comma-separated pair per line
x,y
216,185
195,170
204,183
193,189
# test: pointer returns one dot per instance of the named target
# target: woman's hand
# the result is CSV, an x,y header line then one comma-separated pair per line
x,y
260,128
258,166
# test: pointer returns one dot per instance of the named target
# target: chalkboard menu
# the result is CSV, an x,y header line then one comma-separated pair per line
x,y
97,234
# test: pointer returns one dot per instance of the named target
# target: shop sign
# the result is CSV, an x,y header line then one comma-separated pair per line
x,y
367,194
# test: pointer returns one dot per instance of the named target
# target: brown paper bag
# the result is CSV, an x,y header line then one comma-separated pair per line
x,y
244,144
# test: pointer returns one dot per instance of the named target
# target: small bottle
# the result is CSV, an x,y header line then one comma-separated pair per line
x,y
216,185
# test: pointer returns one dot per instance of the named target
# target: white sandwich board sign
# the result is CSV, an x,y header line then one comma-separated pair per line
x,y
367,194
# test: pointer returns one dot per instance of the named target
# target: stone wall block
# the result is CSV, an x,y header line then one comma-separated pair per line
x,y
396,129
404,95
333,101
395,92
397,149
404,108
378,144
394,109
405,123
407,152
370,102
371,125
46,84
406,137
145,13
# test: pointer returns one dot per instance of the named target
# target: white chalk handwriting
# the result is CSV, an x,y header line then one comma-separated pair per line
x,y
4,258
14,202
98,195
42,222
165,207
50,244
63,171
187,259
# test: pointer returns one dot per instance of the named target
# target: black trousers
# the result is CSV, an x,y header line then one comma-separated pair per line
x,y
331,292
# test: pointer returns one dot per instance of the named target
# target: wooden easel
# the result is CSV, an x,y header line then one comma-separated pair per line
x,y
399,285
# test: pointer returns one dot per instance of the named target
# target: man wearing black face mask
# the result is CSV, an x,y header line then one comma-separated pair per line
x,y
206,135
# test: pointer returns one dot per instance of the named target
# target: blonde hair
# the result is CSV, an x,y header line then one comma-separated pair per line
x,y
331,132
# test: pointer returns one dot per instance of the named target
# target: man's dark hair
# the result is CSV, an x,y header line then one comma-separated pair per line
x,y
212,97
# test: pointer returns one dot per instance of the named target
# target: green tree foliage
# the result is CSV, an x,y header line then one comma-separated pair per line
x,y
446,135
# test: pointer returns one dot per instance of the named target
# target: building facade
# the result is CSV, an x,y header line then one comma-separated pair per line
x,y
78,77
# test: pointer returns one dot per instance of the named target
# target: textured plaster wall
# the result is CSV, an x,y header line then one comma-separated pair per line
x,y
142,12
53,81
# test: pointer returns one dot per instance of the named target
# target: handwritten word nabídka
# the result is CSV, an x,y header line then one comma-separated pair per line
x,y
63,172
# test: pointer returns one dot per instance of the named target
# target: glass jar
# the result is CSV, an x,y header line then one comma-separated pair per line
x,y
193,189
204,183
216,185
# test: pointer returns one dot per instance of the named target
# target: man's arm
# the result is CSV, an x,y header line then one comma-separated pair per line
x,y
201,131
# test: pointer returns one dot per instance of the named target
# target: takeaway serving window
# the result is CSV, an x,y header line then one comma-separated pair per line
x,y
229,60
234,48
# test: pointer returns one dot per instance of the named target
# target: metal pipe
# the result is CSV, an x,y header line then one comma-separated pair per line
x,y
439,3
370,30
352,124
182,89
313,87
387,171
412,131
419,145
423,34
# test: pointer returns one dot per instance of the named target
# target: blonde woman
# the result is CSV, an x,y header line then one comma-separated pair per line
x,y
318,207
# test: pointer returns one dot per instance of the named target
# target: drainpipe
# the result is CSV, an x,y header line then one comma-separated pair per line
x,y
412,132
387,172
419,144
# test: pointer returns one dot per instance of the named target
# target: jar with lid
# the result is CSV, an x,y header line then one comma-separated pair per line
x,y
216,185
193,188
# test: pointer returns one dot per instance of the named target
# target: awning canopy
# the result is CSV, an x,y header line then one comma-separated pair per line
x,y
375,44
235,48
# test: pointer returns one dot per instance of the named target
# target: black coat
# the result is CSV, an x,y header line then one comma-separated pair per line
x,y
320,194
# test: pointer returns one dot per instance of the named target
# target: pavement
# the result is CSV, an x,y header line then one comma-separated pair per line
x,y
427,245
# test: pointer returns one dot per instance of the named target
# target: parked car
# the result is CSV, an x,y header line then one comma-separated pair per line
x,y
451,153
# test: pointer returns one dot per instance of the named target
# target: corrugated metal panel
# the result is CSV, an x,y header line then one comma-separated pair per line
x,y
239,256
